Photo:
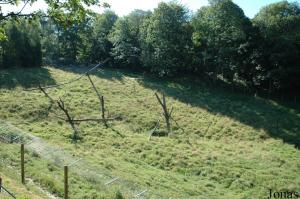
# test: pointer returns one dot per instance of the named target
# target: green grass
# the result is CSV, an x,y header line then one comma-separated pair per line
x,y
10,173
228,145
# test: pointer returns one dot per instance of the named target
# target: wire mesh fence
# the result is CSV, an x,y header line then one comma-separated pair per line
x,y
80,167
6,194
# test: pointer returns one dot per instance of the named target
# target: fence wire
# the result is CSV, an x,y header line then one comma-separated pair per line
x,y
79,166
6,194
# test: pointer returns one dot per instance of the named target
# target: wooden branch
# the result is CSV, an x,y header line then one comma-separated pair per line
x,y
159,99
171,112
164,100
177,124
101,100
103,111
23,7
61,105
70,119
13,13
5,3
92,120
87,119
166,113
154,129
19,14
94,87
46,94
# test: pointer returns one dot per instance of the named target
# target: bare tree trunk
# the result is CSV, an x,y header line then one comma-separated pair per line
x,y
46,94
87,119
61,105
70,120
103,111
101,99
166,112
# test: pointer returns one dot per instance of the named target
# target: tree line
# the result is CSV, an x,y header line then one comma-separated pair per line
x,y
217,42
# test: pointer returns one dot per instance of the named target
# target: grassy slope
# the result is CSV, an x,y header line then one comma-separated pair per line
x,y
232,146
12,183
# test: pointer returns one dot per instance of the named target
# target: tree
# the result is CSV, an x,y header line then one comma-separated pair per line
x,y
50,43
70,44
222,39
279,24
63,12
125,38
66,12
22,46
166,39
100,44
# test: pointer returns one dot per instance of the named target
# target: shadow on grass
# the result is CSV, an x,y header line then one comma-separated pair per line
x,y
278,120
25,77
112,74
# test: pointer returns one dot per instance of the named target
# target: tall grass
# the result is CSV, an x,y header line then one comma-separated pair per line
x,y
227,145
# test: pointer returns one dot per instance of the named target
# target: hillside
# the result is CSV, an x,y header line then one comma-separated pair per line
x,y
30,191
226,144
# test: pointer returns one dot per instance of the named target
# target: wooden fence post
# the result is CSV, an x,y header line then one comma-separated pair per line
x,y
103,111
22,164
66,182
0,184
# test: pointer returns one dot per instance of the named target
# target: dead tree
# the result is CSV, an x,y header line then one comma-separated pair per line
x,y
70,120
167,114
62,106
101,100
46,94
52,101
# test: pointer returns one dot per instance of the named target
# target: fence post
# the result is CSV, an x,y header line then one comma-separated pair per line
x,y
0,184
22,164
66,182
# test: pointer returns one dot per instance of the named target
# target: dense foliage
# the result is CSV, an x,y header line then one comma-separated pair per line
x,y
222,40
100,44
166,38
218,42
22,45
279,25
126,39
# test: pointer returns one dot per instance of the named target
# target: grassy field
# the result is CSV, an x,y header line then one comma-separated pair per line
x,y
227,145
12,183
